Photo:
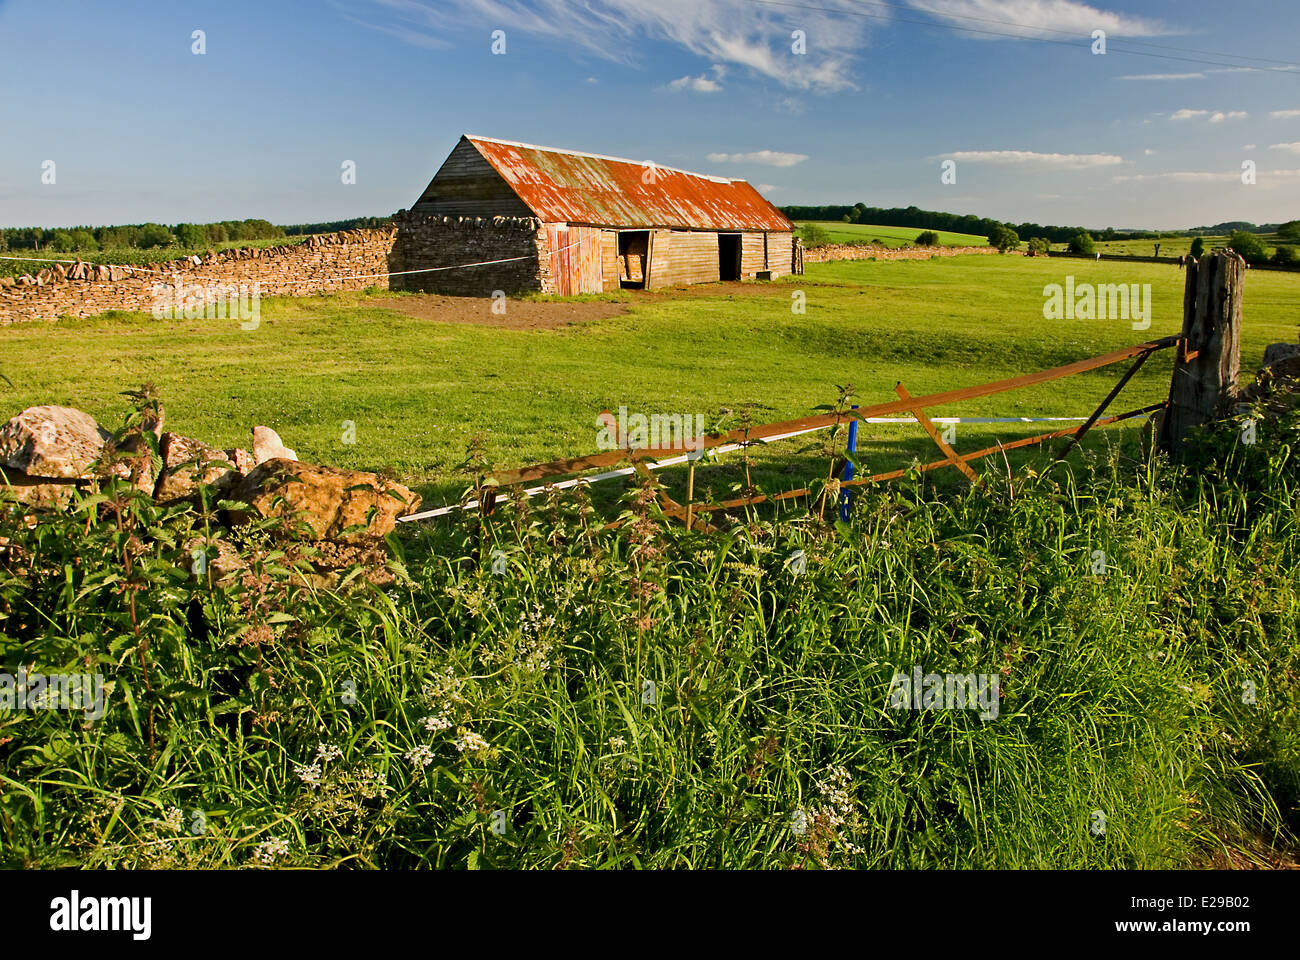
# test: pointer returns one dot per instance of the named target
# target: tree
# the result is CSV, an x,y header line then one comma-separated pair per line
x,y
927,238
1251,248
83,240
1198,247
192,235
1004,239
1286,256
813,235
1081,242
1289,230
1038,246
154,235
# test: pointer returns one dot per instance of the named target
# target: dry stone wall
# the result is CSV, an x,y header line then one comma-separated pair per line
x,y
848,251
329,263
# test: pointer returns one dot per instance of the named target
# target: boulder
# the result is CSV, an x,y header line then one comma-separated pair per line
x,y
267,446
49,441
328,499
16,486
242,459
180,475
1280,351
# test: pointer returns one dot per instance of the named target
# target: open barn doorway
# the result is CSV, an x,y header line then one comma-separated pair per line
x,y
633,246
728,256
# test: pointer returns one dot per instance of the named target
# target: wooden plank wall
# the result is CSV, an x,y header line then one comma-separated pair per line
x,y
752,258
694,257
575,259
467,186
609,260
660,266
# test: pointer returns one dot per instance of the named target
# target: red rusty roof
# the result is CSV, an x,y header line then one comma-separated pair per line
x,y
564,186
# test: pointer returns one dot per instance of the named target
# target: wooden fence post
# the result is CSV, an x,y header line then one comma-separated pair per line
x,y
1204,384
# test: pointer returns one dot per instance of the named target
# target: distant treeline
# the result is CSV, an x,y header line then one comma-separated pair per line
x,y
983,226
142,236
146,236
334,226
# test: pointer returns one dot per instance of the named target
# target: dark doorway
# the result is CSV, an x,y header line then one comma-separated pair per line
x,y
728,256
633,248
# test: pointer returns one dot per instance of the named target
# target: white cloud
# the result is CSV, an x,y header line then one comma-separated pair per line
x,y
1292,147
1285,114
700,84
1164,76
768,158
1148,152
1037,18
767,187
1188,114
1249,146
735,32
1181,176
1219,116
1030,158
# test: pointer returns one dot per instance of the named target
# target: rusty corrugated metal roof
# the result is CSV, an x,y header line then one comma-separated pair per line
x,y
564,186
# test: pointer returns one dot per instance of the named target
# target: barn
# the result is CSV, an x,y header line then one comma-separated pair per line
x,y
610,224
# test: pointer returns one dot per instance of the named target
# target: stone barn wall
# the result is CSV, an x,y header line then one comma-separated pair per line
x,y
517,243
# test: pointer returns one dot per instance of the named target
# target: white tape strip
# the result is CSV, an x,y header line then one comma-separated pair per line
x,y
726,448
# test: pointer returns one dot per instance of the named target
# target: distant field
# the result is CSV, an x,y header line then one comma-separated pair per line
x,y
1169,246
891,236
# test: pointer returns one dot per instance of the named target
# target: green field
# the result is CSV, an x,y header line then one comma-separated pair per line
x,y
1169,246
891,236
418,391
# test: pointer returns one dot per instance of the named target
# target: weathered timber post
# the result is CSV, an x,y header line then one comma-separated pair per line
x,y
1204,384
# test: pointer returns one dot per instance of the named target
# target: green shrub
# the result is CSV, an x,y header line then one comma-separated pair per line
x,y
1004,239
1082,242
1286,255
927,238
1198,247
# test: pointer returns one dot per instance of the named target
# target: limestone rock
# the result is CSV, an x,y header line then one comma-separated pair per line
x,y
329,499
50,441
17,486
242,459
267,446
180,476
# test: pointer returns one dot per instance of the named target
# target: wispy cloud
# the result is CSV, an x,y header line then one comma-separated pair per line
x,y
1217,116
733,32
1164,76
769,158
1285,114
1292,147
1037,18
702,83
1031,158
1181,176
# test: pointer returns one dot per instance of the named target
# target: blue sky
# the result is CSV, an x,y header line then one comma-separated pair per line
x,y
141,128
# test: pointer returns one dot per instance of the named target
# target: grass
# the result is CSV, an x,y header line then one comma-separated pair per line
x,y
419,391
891,236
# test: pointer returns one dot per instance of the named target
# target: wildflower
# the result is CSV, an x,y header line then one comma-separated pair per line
x,y
420,756
617,743
436,724
470,742
308,774
266,852
326,752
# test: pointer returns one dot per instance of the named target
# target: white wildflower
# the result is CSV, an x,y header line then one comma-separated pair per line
x,y
420,756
